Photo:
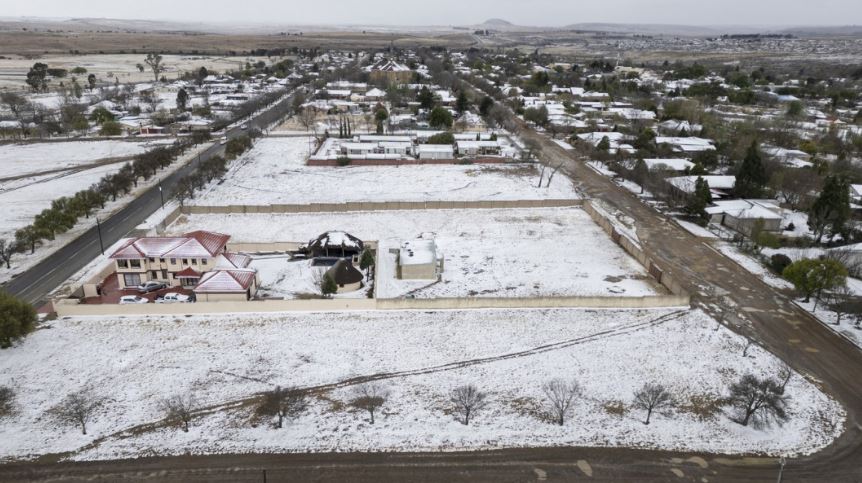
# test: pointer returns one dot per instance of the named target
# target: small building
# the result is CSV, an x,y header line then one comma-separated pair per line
x,y
477,148
419,260
227,285
743,215
686,144
670,164
390,71
719,186
334,244
346,276
436,151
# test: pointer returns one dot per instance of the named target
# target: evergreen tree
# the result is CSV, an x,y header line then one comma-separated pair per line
x,y
640,173
17,318
366,261
751,178
831,210
182,100
462,104
425,98
328,285
699,200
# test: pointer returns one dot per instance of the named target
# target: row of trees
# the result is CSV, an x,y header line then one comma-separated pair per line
x,y
212,168
753,400
65,212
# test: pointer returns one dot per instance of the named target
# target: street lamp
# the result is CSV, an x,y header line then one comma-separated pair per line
x,y
161,194
99,230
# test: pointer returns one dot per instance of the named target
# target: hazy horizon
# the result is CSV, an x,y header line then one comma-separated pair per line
x,y
539,13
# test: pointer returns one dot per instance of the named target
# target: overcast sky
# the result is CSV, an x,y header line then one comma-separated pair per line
x,y
455,12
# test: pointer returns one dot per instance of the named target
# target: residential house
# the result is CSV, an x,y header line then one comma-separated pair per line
x,y
744,215
719,186
334,244
419,260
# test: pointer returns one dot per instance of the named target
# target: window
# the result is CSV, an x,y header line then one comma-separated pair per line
x,y
132,279
185,261
135,263
122,264
194,261
161,260
164,274
155,275
173,261
203,261
152,260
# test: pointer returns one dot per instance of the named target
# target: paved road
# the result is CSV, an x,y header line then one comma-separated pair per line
x,y
35,284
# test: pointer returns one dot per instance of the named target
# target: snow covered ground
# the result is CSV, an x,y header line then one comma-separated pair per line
x,y
281,277
492,253
32,158
130,364
274,172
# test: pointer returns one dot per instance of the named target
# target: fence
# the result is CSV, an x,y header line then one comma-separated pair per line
x,y
371,206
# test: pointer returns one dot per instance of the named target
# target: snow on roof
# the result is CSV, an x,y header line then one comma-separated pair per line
x,y
374,138
436,148
418,252
226,281
232,260
197,244
336,239
746,209
687,183
375,93
477,144
671,164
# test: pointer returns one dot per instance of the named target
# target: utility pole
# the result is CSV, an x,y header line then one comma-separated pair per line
x,y
99,230
782,461
161,194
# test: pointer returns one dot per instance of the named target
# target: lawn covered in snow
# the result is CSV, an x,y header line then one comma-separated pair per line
x,y
33,158
274,172
281,277
131,363
524,252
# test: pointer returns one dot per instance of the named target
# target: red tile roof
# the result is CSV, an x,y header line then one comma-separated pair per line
x,y
188,273
197,244
226,281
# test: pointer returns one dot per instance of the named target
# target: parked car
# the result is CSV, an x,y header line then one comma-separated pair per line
x,y
173,298
223,140
244,127
133,299
148,287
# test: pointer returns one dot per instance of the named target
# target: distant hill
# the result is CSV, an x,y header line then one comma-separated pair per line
x,y
498,22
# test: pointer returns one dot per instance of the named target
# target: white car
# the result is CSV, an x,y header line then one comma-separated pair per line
x,y
148,287
133,299
223,140
244,127
173,298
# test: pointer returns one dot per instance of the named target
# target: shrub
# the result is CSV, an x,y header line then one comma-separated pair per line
x,y
779,262
111,128
442,138
343,161
17,319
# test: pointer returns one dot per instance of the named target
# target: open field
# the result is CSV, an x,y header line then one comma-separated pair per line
x,y
198,43
273,172
131,363
33,158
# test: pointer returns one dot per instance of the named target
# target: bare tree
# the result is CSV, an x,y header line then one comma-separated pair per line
x,y
179,410
7,401
652,397
370,397
560,395
283,403
7,249
551,177
307,117
758,401
467,401
78,408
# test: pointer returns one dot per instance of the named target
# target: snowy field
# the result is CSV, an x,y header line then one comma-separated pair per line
x,y
492,253
273,172
24,159
130,364
24,198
